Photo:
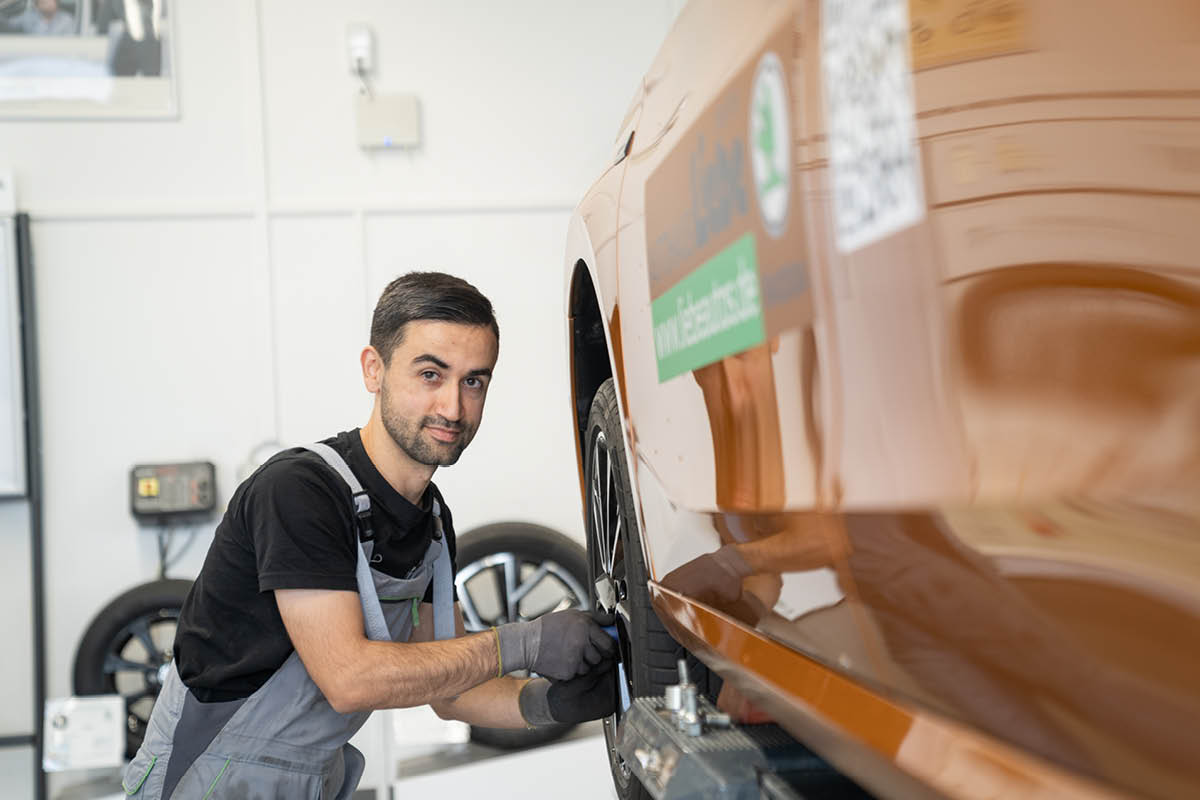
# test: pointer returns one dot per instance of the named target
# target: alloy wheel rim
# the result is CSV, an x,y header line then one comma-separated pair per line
x,y
543,585
136,664
605,520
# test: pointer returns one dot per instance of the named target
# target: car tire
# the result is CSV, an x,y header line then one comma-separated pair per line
x,y
126,650
487,549
649,654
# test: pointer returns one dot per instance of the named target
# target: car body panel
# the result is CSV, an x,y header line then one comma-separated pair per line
x,y
965,465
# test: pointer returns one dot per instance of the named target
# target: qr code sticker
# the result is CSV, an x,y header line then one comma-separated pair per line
x,y
872,125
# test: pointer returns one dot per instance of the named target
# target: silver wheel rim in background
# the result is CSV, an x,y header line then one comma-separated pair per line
x,y
522,588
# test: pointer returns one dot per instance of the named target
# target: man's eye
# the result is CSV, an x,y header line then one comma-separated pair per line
x,y
473,383
429,375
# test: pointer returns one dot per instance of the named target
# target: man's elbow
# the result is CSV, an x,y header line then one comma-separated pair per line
x,y
343,705
445,708
344,697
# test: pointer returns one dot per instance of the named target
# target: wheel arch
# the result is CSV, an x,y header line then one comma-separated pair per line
x,y
594,341
590,349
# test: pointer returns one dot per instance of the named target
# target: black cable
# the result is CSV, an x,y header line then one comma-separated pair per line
x,y
361,72
165,535
183,550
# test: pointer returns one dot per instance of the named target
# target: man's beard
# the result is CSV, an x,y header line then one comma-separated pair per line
x,y
407,435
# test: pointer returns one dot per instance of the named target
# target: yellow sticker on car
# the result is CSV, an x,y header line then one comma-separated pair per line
x,y
949,31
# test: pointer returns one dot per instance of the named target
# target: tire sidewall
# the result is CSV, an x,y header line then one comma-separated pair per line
x,y
604,417
164,598
655,653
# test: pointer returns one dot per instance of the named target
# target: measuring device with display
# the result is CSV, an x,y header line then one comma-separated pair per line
x,y
165,492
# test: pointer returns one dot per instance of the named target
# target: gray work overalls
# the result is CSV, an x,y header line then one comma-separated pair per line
x,y
285,740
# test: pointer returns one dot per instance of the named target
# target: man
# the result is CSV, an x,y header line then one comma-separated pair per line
x,y
327,591
46,19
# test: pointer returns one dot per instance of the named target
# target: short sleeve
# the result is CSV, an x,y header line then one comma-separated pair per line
x,y
300,527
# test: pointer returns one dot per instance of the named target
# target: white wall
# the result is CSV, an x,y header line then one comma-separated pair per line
x,y
204,284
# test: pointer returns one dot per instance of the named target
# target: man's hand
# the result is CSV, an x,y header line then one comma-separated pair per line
x,y
559,645
592,695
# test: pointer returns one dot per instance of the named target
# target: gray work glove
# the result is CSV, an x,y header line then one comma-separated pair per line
x,y
559,645
592,695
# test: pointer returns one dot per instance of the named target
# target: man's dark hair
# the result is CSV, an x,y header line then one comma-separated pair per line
x,y
426,295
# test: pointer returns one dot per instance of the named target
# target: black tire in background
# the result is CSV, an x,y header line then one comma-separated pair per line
x,y
553,567
648,652
127,650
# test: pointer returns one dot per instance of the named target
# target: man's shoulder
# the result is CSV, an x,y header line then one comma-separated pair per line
x,y
295,471
293,491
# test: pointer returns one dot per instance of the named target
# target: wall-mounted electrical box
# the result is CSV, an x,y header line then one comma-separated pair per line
x,y
168,491
388,120
360,49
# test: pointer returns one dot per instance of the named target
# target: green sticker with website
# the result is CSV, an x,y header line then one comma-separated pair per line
x,y
714,312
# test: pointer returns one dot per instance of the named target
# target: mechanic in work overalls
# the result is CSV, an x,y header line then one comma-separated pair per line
x,y
328,589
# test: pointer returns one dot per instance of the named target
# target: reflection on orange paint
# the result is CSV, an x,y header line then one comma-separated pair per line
x,y
1002,655
936,751
739,393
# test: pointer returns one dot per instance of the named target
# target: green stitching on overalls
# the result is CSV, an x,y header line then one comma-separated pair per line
x,y
416,613
213,785
150,766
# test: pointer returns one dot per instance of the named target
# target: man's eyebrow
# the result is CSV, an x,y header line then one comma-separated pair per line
x,y
432,359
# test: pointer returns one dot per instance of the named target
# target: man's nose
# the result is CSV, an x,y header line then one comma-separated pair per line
x,y
449,403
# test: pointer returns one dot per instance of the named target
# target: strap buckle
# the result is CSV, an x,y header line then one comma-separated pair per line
x,y
362,509
437,520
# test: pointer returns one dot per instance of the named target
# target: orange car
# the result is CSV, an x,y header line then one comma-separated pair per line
x,y
885,348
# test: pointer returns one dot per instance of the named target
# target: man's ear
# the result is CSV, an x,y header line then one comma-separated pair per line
x,y
372,369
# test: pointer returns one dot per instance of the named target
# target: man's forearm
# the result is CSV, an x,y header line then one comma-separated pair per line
x,y
401,675
492,704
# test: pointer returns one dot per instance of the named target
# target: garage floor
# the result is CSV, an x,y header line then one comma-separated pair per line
x,y
574,767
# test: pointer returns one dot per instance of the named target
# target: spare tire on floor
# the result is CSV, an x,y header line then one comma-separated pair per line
x,y
127,650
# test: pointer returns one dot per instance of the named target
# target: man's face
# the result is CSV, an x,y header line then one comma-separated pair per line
x,y
47,7
431,393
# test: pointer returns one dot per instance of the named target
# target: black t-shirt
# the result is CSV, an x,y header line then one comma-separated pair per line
x,y
289,526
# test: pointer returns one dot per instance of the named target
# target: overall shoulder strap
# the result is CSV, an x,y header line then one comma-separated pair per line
x,y
374,622
362,503
443,582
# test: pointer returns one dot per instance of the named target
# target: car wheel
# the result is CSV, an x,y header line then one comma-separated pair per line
x,y
514,571
127,650
648,653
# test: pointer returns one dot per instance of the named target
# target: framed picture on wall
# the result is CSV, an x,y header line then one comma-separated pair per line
x,y
86,59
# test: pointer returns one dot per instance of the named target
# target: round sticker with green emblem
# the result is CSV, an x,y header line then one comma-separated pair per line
x,y
771,143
